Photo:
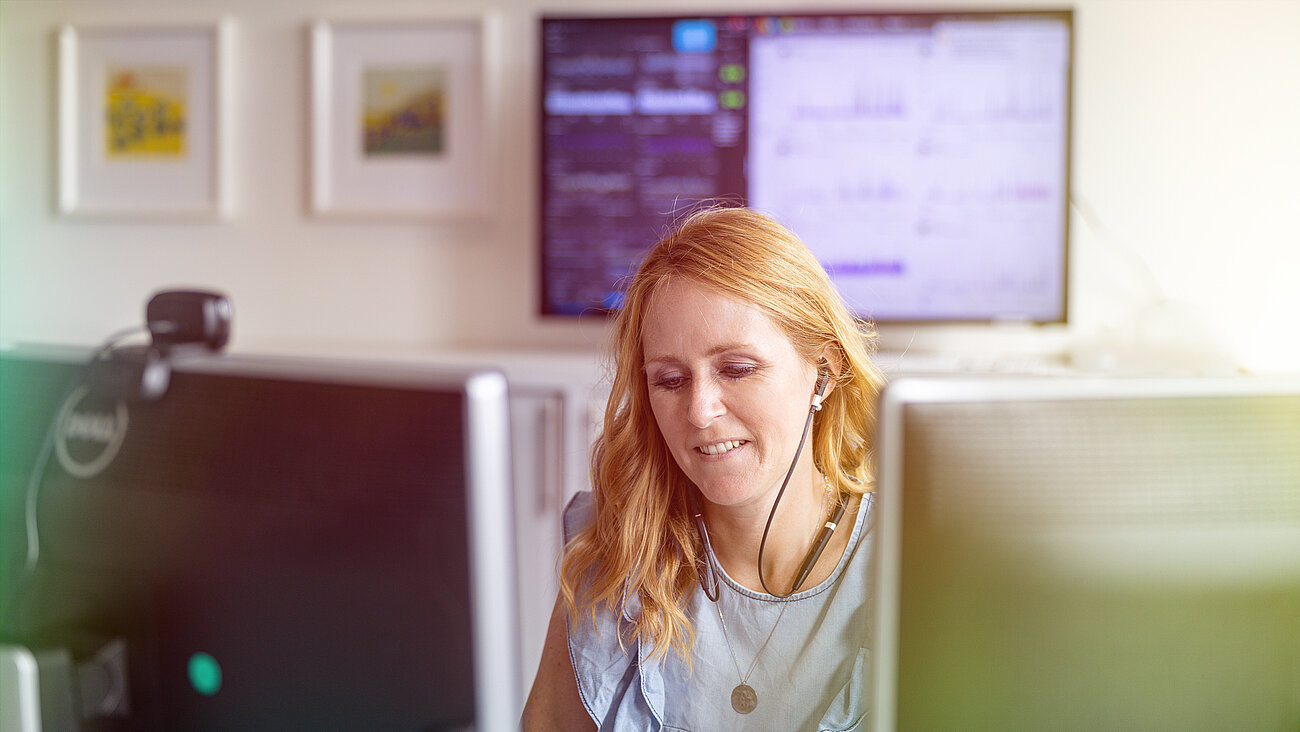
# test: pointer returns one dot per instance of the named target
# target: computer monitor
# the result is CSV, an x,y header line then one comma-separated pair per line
x,y
923,157
274,543
1080,555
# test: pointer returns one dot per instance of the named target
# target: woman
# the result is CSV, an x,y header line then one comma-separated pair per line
x,y
731,338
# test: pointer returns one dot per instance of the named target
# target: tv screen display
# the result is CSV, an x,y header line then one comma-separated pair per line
x,y
924,158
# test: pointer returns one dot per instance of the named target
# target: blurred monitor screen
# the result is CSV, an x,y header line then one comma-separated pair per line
x,y
924,158
1080,555
276,544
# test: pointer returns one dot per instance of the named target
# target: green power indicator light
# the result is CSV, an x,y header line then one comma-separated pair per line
x,y
205,674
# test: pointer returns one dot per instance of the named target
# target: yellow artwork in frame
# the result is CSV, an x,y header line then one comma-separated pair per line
x,y
145,119
146,110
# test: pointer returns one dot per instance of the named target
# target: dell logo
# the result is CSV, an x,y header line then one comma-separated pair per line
x,y
90,427
89,433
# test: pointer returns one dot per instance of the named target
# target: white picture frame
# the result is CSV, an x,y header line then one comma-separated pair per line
x,y
144,120
404,117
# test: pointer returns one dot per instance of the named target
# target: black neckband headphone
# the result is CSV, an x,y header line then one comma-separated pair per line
x,y
708,580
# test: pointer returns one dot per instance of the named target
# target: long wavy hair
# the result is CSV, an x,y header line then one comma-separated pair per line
x,y
642,538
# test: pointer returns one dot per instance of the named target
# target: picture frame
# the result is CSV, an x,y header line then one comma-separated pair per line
x,y
144,120
404,117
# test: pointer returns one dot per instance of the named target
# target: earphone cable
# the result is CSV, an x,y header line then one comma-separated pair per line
x,y
807,428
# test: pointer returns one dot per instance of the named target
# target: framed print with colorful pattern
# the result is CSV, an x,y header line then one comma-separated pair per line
x,y
403,117
143,126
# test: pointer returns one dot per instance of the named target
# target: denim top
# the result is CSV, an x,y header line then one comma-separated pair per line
x,y
811,676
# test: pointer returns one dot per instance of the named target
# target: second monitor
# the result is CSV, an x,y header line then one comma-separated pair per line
x,y
1081,555
272,544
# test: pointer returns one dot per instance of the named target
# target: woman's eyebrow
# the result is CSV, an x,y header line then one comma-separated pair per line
x,y
718,349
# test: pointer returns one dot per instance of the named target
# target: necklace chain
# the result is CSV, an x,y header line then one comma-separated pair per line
x,y
826,500
743,697
744,679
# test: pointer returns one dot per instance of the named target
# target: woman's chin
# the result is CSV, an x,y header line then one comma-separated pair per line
x,y
729,493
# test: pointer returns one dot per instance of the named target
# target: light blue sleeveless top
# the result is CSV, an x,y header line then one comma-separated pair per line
x,y
811,676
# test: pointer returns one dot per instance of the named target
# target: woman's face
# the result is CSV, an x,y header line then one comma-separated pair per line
x,y
729,392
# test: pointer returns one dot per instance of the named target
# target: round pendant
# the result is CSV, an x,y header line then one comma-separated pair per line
x,y
743,699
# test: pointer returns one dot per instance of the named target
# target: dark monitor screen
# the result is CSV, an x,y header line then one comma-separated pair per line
x,y
280,544
1078,554
923,157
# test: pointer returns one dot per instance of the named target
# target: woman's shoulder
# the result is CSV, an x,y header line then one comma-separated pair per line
x,y
605,663
578,514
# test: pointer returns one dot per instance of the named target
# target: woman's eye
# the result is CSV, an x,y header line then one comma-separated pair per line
x,y
670,383
738,371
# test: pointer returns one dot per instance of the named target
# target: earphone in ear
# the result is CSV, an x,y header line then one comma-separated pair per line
x,y
823,380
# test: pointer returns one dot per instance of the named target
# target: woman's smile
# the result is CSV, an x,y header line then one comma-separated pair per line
x,y
719,449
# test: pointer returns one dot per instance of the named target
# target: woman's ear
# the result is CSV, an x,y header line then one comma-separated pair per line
x,y
829,361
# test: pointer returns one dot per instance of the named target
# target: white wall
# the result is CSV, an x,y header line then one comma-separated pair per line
x,y
1186,239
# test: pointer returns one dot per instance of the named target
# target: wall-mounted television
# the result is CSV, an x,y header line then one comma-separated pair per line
x,y
923,157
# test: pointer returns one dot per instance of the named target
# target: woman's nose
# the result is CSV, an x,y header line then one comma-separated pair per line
x,y
706,402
